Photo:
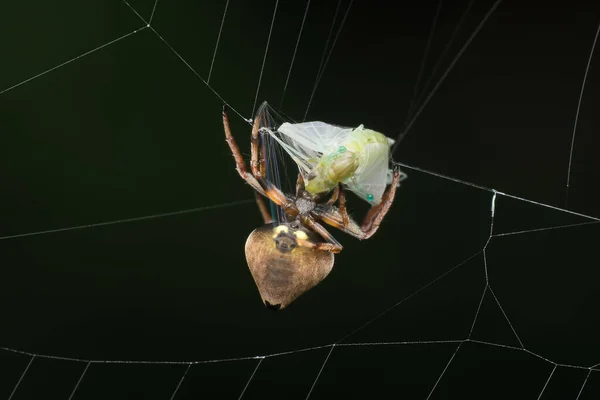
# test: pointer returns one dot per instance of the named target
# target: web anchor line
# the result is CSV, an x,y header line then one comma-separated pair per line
x,y
440,59
180,382
127,220
21,378
251,376
153,11
289,74
87,53
183,60
423,61
444,371
444,75
587,69
212,63
324,64
262,68
79,380
583,385
320,371
546,384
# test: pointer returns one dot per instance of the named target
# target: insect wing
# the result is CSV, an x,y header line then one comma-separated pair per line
x,y
310,140
370,180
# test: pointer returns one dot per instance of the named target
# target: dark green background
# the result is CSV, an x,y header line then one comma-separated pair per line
x,y
129,130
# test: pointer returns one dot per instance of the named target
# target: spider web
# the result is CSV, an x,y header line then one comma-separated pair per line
x,y
466,292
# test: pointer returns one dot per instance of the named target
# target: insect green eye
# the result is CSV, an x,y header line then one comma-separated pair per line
x,y
342,149
370,197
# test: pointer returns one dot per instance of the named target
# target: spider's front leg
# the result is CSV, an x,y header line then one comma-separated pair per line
x,y
258,169
256,180
240,165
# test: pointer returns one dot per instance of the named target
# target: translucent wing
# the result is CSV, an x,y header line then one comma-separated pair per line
x,y
371,177
316,136
306,142
370,180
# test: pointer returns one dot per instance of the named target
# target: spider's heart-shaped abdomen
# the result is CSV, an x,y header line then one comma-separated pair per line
x,y
283,273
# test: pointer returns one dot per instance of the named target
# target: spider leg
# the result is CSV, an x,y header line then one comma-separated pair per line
x,y
256,168
332,245
376,214
341,220
338,218
334,218
263,167
257,181
240,165
262,207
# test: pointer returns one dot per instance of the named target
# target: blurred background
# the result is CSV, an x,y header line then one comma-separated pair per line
x,y
104,119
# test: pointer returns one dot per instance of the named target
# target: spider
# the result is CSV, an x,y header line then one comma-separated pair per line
x,y
289,258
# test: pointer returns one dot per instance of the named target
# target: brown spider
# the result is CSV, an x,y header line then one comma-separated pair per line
x,y
288,259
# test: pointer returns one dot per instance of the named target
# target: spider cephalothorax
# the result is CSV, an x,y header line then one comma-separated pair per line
x,y
291,257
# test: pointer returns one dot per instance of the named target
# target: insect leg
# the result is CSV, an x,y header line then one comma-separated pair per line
x,y
337,218
342,206
334,196
299,185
